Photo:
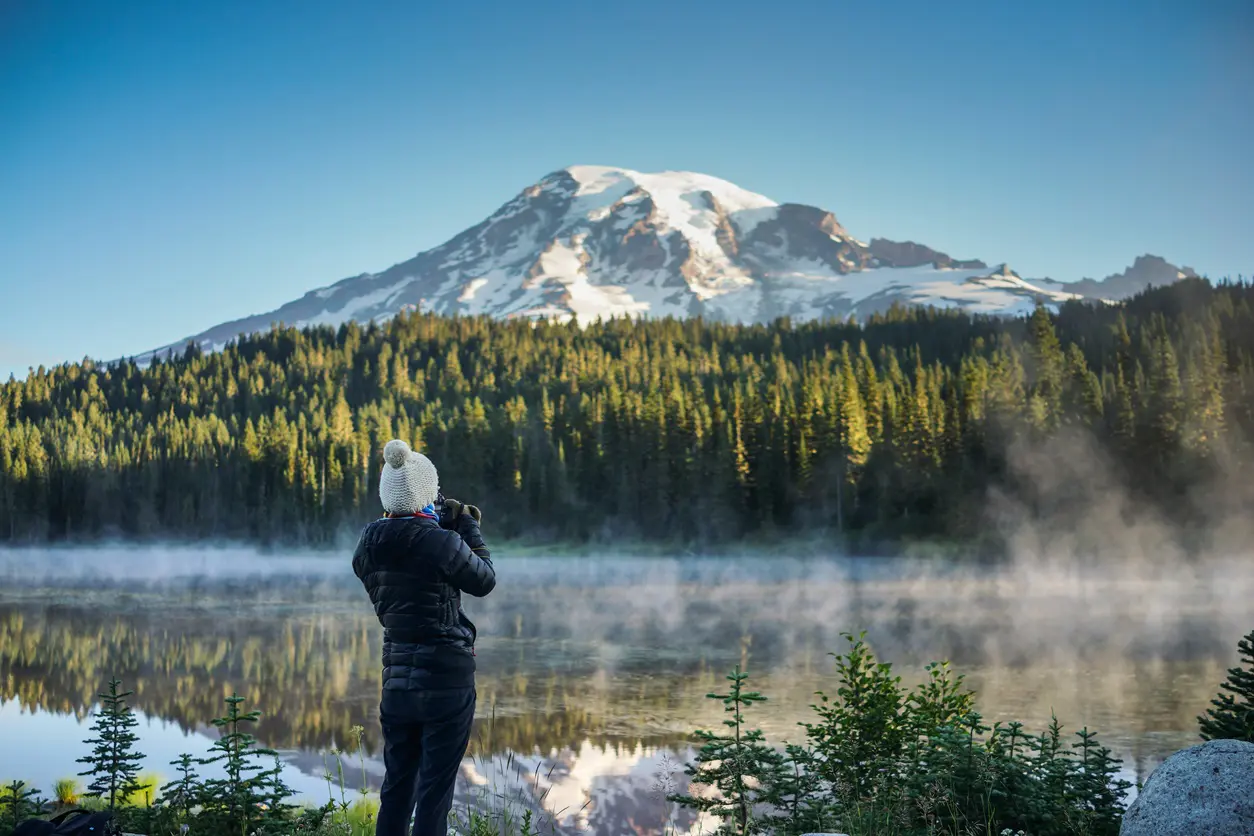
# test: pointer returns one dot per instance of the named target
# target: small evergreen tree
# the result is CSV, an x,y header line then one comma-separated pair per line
x,y
1098,792
737,764
1053,763
113,762
180,795
17,803
276,811
800,797
250,797
1232,717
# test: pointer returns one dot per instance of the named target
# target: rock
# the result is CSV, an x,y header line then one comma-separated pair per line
x,y
1205,790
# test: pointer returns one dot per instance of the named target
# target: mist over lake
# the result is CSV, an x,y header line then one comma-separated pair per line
x,y
593,671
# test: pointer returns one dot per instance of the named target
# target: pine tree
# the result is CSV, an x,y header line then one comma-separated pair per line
x,y
18,802
1046,370
737,763
276,811
1083,391
1166,397
113,762
796,791
1096,786
1125,412
1206,396
250,795
181,794
855,439
1232,717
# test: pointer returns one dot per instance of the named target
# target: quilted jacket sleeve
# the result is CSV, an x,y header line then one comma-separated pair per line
x,y
469,566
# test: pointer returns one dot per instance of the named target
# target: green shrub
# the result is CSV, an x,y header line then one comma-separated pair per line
x,y
879,759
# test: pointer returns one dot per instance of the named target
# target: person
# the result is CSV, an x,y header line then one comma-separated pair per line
x,y
415,562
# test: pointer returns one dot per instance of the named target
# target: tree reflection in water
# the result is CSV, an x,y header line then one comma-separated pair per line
x,y
609,661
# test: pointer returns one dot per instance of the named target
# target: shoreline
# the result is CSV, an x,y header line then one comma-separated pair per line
x,y
767,545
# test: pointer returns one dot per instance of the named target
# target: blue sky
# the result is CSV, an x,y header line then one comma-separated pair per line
x,y
168,166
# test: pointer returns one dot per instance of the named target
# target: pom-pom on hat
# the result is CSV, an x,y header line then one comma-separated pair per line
x,y
409,481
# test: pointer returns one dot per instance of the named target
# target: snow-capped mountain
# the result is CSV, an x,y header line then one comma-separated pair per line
x,y
592,241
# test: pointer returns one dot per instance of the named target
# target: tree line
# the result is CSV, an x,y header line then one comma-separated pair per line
x,y
692,431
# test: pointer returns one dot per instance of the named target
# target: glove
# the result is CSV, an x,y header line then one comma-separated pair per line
x,y
450,510
454,509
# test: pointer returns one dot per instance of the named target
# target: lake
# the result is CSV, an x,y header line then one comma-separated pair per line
x,y
593,671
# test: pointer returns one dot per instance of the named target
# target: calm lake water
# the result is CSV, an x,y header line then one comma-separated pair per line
x,y
592,672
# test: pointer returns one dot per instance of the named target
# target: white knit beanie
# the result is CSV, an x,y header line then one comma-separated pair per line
x,y
409,481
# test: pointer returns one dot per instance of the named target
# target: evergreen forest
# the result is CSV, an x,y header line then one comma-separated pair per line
x,y
915,425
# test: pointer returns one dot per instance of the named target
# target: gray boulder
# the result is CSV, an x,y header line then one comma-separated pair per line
x,y
1205,790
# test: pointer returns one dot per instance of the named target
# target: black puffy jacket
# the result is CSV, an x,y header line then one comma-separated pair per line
x,y
415,572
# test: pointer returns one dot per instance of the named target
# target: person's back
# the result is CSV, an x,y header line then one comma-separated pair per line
x,y
415,568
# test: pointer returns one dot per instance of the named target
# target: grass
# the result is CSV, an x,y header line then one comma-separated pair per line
x,y
66,792
357,819
344,817
496,810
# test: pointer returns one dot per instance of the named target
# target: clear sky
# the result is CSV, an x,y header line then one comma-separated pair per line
x,y
167,166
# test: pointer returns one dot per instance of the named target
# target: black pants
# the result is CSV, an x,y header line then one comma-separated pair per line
x,y
425,734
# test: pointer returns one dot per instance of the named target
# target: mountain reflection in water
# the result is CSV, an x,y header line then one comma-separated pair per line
x,y
592,672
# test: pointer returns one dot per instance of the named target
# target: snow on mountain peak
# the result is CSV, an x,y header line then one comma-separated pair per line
x,y
594,179
598,241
